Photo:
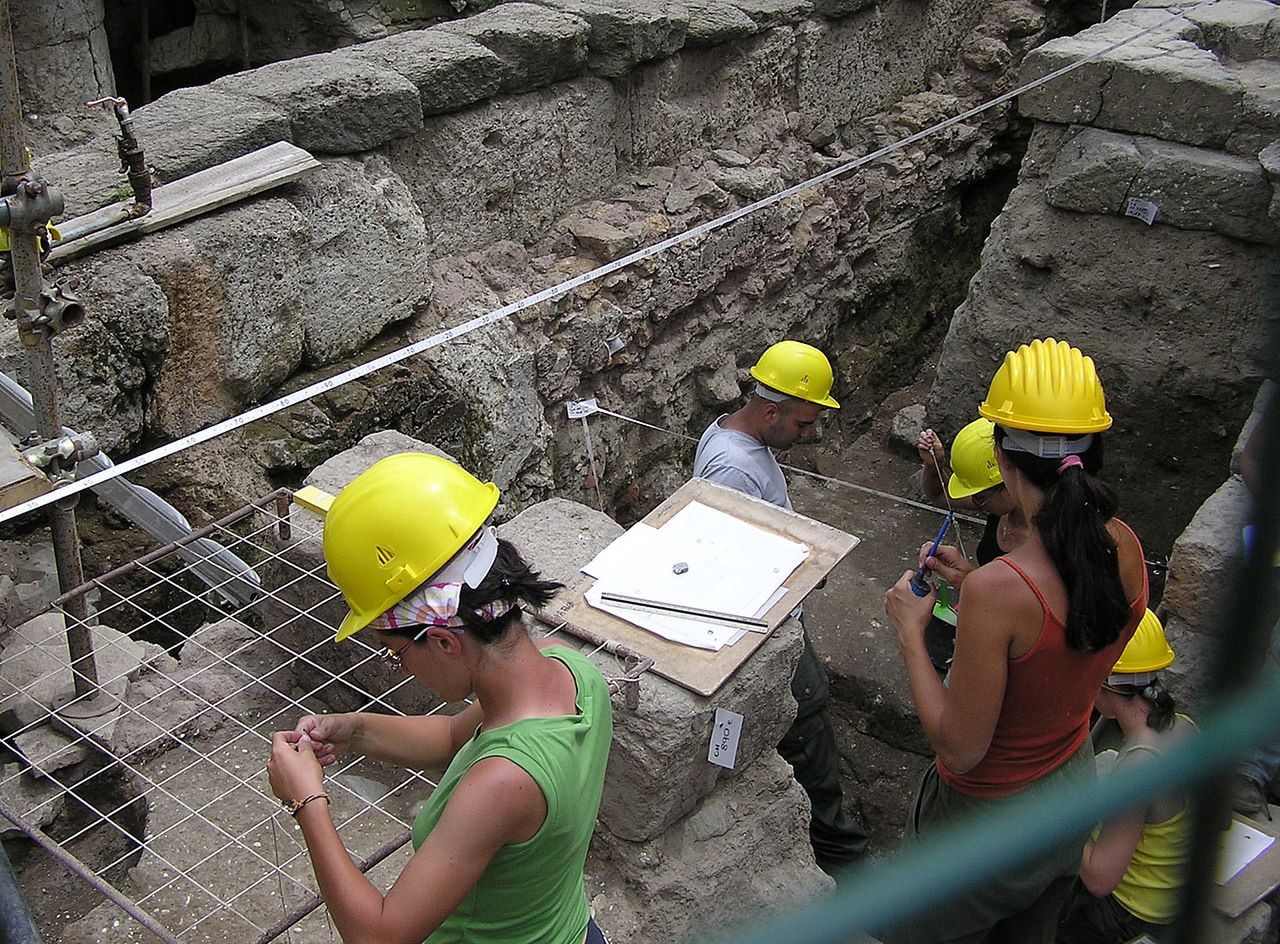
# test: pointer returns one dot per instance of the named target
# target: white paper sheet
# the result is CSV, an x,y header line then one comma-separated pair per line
x,y
729,566
1241,844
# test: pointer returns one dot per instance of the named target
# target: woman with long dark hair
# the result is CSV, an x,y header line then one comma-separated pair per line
x,y
500,844
1038,630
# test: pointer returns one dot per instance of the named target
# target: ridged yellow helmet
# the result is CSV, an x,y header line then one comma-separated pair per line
x,y
395,525
799,370
1147,651
973,460
1047,387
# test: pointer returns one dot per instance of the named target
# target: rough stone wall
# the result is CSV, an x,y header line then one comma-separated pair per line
x,y
468,164
1173,311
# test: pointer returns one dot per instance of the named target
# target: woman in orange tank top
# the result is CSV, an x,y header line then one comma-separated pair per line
x,y
1038,632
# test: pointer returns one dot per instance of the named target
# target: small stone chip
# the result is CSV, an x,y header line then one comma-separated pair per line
x,y
680,568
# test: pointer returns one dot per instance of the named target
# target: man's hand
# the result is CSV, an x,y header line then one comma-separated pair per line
x,y
931,450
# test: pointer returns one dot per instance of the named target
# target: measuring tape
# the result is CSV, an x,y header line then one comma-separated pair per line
x,y
548,294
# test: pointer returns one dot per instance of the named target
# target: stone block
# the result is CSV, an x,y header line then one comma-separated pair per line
x,y
1191,97
88,174
624,33
1265,392
658,768
335,473
744,850
712,22
1195,188
839,8
190,129
337,103
368,263
557,537
49,751
1203,556
35,672
1237,29
1252,927
749,183
38,800
905,430
775,12
451,71
539,45
602,238
510,167
1259,120
1093,172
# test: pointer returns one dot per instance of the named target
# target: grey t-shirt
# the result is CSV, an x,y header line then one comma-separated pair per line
x,y
738,461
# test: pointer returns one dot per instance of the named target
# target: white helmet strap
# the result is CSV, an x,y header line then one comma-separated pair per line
x,y
473,563
1045,445
774,396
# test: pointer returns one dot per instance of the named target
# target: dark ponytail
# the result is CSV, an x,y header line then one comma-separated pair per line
x,y
511,579
1072,524
1163,708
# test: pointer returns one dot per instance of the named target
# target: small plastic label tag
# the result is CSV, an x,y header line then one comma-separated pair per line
x,y
1141,209
582,408
724,738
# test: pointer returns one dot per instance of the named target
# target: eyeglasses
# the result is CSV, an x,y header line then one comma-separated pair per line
x,y
391,659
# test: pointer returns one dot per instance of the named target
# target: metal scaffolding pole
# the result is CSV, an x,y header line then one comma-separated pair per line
x,y
29,203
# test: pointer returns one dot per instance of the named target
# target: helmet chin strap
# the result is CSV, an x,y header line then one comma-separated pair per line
x,y
1045,445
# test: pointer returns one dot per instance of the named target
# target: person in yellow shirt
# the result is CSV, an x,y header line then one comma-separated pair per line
x,y
1132,868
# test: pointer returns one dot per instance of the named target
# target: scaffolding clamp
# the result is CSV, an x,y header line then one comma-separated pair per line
x,y
63,454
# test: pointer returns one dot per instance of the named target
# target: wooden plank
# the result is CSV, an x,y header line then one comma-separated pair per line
x,y
201,192
1255,881
19,479
700,670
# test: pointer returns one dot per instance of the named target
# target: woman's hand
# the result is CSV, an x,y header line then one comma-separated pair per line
x,y
293,770
330,735
909,613
949,563
931,450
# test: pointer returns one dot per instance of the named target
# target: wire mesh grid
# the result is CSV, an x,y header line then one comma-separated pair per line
x,y
211,856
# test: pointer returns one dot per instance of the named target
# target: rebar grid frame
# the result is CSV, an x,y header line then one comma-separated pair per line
x,y
219,859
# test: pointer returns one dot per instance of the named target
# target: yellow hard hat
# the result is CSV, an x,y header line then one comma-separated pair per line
x,y
1147,651
798,370
398,523
1047,387
973,460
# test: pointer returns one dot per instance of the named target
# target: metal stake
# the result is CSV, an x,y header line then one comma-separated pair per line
x,y
38,348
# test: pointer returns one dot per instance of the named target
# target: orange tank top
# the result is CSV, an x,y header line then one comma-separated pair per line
x,y
1048,695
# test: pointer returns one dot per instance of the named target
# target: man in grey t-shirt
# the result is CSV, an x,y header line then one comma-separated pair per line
x,y
793,386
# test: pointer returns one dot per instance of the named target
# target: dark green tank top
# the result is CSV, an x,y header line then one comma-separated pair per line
x,y
533,891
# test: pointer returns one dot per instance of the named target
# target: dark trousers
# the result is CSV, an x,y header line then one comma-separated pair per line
x,y
810,748
594,934
1090,920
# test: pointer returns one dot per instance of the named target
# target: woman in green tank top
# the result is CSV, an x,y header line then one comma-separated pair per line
x,y
500,844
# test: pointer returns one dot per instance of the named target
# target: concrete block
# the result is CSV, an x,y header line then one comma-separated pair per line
x,y
539,45
658,768
449,70
337,103
624,34
744,850
1203,555
190,129
712,22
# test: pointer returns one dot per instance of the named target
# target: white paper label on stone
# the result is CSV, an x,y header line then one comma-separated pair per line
x,y
582,408
724,738
1141,209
